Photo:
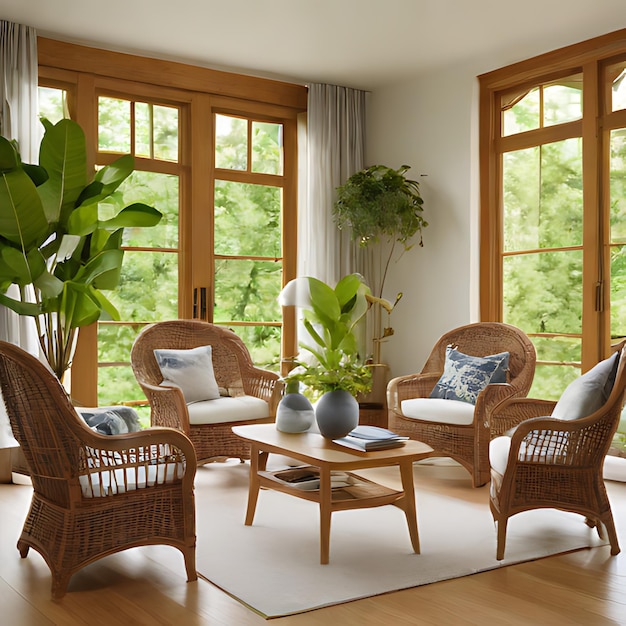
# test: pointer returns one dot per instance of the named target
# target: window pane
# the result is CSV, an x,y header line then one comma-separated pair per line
x,y
116,383
143,129
115,341
165,133
550,381
520,112
247,290
247,219
618,185
113,125
148,289
618,291
563,101
558,350
53,104
263,343
267,148
616,77
543,200
543,292
231,143
157,190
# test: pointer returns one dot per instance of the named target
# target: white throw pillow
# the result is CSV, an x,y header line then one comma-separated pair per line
x,y
191,371
587,393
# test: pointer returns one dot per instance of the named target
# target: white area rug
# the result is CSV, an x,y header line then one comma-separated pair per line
x,y
273,566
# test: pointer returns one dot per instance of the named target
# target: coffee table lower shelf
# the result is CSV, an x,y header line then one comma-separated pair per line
x,y
361,493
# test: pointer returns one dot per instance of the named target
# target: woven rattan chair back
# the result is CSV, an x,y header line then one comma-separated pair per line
x,y
483,338
232,362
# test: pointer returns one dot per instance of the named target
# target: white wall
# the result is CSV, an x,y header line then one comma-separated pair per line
x,y
430,123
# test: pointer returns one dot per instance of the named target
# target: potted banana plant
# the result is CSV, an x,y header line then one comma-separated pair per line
x,y
53,242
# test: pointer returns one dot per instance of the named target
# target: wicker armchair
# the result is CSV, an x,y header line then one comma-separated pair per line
x,y
233,368
555,463
94,495
466,443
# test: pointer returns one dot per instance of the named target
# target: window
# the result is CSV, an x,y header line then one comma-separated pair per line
x,y
216,154
553,201
248,209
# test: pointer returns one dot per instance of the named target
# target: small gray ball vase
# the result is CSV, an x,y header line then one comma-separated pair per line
x,y
337,413
294,414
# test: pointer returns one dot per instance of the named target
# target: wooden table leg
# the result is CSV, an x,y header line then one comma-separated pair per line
x,y
253,492
325,513
407,502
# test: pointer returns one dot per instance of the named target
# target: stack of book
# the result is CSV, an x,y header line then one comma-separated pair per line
x,y
368,438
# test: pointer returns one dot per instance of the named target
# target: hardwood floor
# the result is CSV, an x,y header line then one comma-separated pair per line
x,y
147,586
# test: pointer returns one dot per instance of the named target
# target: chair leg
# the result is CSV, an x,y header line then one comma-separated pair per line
x,y
610,530
502,522
189,555
59,585
480,478
23,548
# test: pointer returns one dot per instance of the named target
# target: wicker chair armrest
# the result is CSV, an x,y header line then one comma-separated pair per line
x,y
551,441
145,438
265,385
153,456
490,397
409,386
513,411
167,407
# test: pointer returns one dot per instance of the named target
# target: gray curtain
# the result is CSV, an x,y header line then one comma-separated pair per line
x,y
335,151
18,120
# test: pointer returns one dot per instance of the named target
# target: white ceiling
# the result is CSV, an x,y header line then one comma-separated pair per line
x,y
356,43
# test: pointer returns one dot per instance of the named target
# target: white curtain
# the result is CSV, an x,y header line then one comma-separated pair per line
x,y
335,151
18,120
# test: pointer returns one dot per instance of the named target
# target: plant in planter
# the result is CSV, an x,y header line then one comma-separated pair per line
x,y
331,364
53,239
381,206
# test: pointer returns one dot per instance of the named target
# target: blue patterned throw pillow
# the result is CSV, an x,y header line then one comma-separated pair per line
x,y
465,376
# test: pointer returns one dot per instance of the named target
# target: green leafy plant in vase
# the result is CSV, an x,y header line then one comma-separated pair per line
x,y
330,363
53,241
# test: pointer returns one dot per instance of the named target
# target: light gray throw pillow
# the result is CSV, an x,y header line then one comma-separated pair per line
x,y
190,370
589,392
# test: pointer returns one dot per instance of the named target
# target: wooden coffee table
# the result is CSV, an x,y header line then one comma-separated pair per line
x,y
326,457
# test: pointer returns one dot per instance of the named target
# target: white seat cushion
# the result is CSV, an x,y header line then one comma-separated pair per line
x,y
227,410
110,482
499,453
614,468
439,410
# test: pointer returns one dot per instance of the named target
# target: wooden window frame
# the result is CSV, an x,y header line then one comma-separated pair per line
x,y
587,57
86,72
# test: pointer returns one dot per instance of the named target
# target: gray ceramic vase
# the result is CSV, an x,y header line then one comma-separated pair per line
x,y
337,413
294,414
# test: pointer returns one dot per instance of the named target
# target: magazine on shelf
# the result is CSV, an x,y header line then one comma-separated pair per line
x,y
367,438
307,478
